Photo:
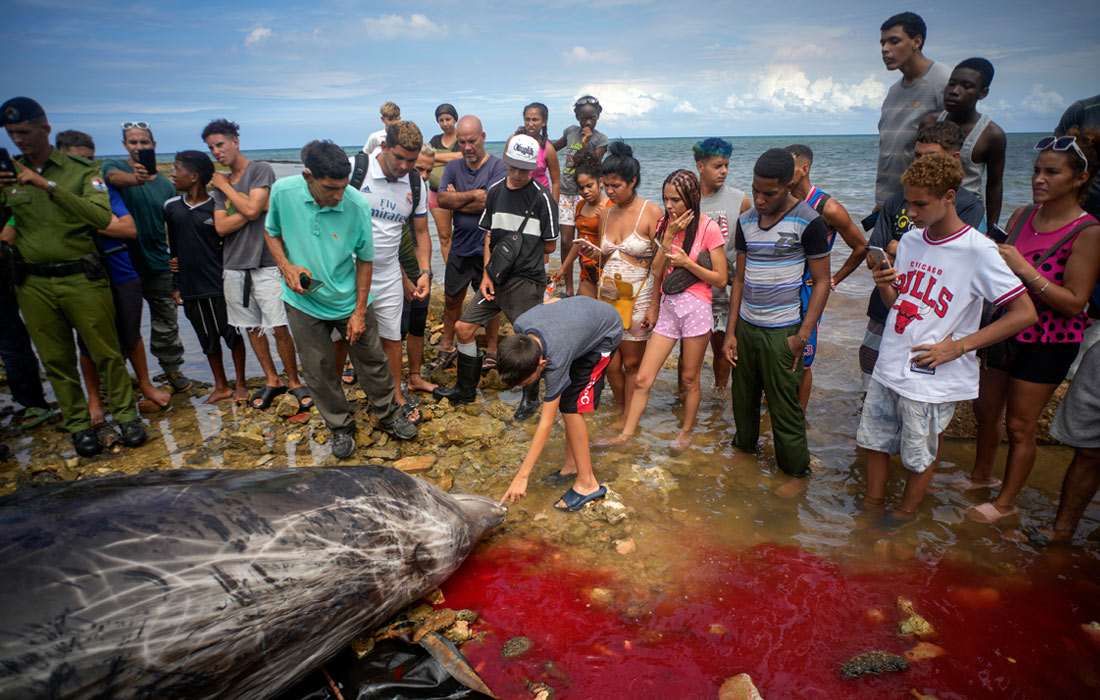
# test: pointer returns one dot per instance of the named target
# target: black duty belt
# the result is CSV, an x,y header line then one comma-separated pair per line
x,y
61,269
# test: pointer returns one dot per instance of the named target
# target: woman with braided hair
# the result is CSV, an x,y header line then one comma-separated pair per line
x,y
685,235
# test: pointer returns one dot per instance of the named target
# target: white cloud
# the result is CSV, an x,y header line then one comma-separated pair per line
x,y
415,26
685,107
1043,101
579,54
257,36
786,88
624,103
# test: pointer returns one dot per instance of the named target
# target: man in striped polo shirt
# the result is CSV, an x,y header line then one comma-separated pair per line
x,y
776,240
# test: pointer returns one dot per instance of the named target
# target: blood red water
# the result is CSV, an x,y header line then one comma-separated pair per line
x,y
787,618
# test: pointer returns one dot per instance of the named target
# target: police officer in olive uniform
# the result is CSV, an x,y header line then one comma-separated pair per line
x,y
59,201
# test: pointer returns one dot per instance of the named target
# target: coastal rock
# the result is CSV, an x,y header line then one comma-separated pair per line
x,y
516,647
459,632
362,646
500,410
363,437
247,440
435,597
287,405
626,546
387,454
600,596
739,687
915,625
874,662
415,465
924,651
467,616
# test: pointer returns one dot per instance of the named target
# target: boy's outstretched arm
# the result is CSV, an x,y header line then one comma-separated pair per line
x,y
518,488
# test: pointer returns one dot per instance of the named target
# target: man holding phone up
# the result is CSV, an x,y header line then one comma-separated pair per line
x,y
59,202
315,225
145,191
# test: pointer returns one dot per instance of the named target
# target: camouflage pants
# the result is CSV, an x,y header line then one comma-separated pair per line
x,y
164,331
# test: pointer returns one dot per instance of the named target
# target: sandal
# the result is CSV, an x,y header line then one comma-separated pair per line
x,y
305,401
34,417
348,376
412,413
262,399
443,359
488,362
572,501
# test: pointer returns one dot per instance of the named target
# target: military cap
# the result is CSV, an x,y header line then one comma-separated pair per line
x,y
20,109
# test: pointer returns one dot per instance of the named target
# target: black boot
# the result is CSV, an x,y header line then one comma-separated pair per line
x,y
86,443
465,388
529,404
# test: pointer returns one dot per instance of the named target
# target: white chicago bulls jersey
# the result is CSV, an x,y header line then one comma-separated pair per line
x,y
941,285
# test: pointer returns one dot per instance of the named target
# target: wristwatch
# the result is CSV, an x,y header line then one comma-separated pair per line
x,y
428,273
51,187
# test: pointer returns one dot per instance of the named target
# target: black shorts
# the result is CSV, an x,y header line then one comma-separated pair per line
x,y
1043,363
515,297
128,306
414,316
207,317
586,377
462,270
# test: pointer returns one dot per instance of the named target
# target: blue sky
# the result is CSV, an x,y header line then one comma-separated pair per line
x,y
290,72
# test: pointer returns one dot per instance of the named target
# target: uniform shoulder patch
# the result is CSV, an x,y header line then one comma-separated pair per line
x,y
99,184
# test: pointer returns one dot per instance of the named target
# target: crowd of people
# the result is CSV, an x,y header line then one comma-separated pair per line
x,y
335,264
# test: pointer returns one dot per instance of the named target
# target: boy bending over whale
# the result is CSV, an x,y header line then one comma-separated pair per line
x,y
570,342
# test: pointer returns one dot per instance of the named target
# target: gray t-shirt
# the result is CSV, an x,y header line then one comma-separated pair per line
x,y
724,206
573,144
902,110
246,249
569,329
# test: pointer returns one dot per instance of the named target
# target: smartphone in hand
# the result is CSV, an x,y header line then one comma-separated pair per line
x,y
6,163
878,255
148,159
997,234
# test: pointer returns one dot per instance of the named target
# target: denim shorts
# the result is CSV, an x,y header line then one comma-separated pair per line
x,y
894,424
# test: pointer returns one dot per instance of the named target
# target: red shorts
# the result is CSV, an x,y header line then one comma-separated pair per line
x,y
586,383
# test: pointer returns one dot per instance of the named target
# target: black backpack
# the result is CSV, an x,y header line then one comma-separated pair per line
x,y
359,173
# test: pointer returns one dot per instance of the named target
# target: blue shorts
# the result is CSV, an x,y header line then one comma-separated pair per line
x,y
811,347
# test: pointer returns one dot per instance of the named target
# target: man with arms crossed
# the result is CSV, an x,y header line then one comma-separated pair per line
x,y
462,190
918,92
253,284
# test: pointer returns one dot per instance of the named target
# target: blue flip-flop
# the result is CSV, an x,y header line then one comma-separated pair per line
x,y
575,501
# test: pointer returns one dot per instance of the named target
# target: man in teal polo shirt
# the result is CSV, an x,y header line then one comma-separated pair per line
x,y
315,225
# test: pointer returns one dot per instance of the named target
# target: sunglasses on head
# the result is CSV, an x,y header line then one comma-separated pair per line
x,y
586,101
1061,144
134,125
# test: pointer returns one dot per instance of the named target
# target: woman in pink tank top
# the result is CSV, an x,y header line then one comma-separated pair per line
x,y
1059,284
535,116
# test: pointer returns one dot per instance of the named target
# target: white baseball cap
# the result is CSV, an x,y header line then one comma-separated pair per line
x,y
522,152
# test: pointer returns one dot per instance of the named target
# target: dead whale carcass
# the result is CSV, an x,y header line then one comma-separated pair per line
x,y
202,584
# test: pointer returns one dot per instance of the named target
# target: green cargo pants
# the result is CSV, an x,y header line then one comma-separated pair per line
x,y
53,307
764,365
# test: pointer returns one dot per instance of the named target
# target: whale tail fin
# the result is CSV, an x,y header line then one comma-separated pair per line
x,y
484,512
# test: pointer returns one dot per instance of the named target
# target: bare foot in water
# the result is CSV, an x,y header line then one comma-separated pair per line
x,y
680,443
158,396
418,383
240,393
969,483
989,512
874,505
219,394
620,422
792,487
620,439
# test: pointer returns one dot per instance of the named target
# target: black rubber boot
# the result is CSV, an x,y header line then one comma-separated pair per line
x,y
465,388
529,405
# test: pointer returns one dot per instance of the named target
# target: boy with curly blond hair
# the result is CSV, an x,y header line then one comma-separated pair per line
x,y
926,363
